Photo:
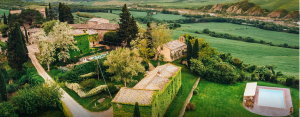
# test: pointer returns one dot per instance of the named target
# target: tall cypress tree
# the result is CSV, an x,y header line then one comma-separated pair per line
x,y
5,20
51,13
136,110
123,31
2,86
65,14
195,49
26,36
9,18
17,53
133,29
61,12
189,53
47,13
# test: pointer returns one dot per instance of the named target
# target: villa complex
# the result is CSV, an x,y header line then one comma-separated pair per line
x,y
154,93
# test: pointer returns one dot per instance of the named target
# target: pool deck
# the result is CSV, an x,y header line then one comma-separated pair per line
x,y
271,111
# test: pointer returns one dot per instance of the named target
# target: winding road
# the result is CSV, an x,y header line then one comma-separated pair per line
x,y
76,109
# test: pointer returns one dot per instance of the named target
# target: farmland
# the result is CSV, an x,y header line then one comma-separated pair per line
x,y
244,31
2,11
285,59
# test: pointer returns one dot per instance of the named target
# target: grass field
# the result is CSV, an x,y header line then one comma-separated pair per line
x,y
109,16
134,13
240,30
2,11
220,100
167,16
285,59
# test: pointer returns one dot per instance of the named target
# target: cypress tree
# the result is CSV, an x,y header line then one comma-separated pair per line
x,y
9,18
68,17
133,29
26,36
189,53
60,12
136,110
123,31
195,50
2,86
17,53
47,14
51,12
5,20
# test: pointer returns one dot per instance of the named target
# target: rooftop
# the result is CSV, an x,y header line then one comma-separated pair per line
x,y
144,90
98,19
78,32
174,44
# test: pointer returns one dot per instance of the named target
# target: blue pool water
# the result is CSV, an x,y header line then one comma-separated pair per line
x,y
271,98
98,57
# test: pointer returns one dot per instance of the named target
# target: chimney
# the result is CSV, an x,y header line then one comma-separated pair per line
x,y
83,22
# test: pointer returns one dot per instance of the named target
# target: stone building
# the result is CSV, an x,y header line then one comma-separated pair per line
x,y
99,25
173,50
154,93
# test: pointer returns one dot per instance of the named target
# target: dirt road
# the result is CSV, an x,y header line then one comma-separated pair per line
x,y
76,109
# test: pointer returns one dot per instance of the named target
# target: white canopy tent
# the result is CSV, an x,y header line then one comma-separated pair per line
x,y
250,89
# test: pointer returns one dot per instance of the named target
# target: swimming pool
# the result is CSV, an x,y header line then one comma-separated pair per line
x,y
98,57
271,98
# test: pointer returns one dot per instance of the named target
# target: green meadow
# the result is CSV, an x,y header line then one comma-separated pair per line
x,y
289,5
167,16
284,59
220,100
2,11
244,31
134,13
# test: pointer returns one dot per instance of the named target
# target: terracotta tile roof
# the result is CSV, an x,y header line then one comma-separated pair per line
x,y
78,32
174,44
99,20
15,11
91,32
143,91
130,96
102,26
107,26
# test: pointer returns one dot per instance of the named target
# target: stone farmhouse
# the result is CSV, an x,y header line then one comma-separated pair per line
x,y
154,93
100,25
173,50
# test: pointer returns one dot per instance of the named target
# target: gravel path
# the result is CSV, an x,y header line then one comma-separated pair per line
x,y
76,109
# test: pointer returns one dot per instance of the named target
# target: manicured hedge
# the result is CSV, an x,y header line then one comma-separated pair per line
x,y
83,45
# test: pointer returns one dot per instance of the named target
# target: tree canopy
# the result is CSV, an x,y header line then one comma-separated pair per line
x,y
65,14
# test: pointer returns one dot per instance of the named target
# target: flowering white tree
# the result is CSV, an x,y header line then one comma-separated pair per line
x,y
46,47
62,36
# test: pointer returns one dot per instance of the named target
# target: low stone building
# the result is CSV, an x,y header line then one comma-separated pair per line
x,y
173,50
99,25
154,93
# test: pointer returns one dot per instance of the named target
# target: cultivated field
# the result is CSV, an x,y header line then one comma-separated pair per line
x,y
285,59
109,16
240,30
278,4
219,100
167,16
2,11
134,13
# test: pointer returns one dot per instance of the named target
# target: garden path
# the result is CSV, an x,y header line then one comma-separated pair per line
x,y
76,109
188,99
151,67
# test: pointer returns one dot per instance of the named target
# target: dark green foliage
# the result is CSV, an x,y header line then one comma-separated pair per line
x,y
51,14
4,18
88,84
3,89
267,76
47,12
123,31
189,53
17,54
289,81
195,49
196,91
133,30
31,77
65,14
190,107
11,88
26,35
71,77
296,83
112,88
206,31
7,110
83,44
32,100
111,38
31,16
146,65
242,77
273,79
136,112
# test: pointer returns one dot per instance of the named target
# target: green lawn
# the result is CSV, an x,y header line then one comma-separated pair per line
x,y
2,11
256,33
220,100
53,112
162,16
285,59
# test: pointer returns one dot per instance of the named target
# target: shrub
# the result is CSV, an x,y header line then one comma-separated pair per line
x,y
289,81
190,107
296,83
7,110
32,100
279,73
71,76
77,88
206,31
285,45
112,88
242,77
12,88
197,32
267,76
146,65
273,79
262,41
88,84
195,92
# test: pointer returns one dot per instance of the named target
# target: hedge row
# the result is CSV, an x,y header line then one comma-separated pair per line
x,y
78,89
